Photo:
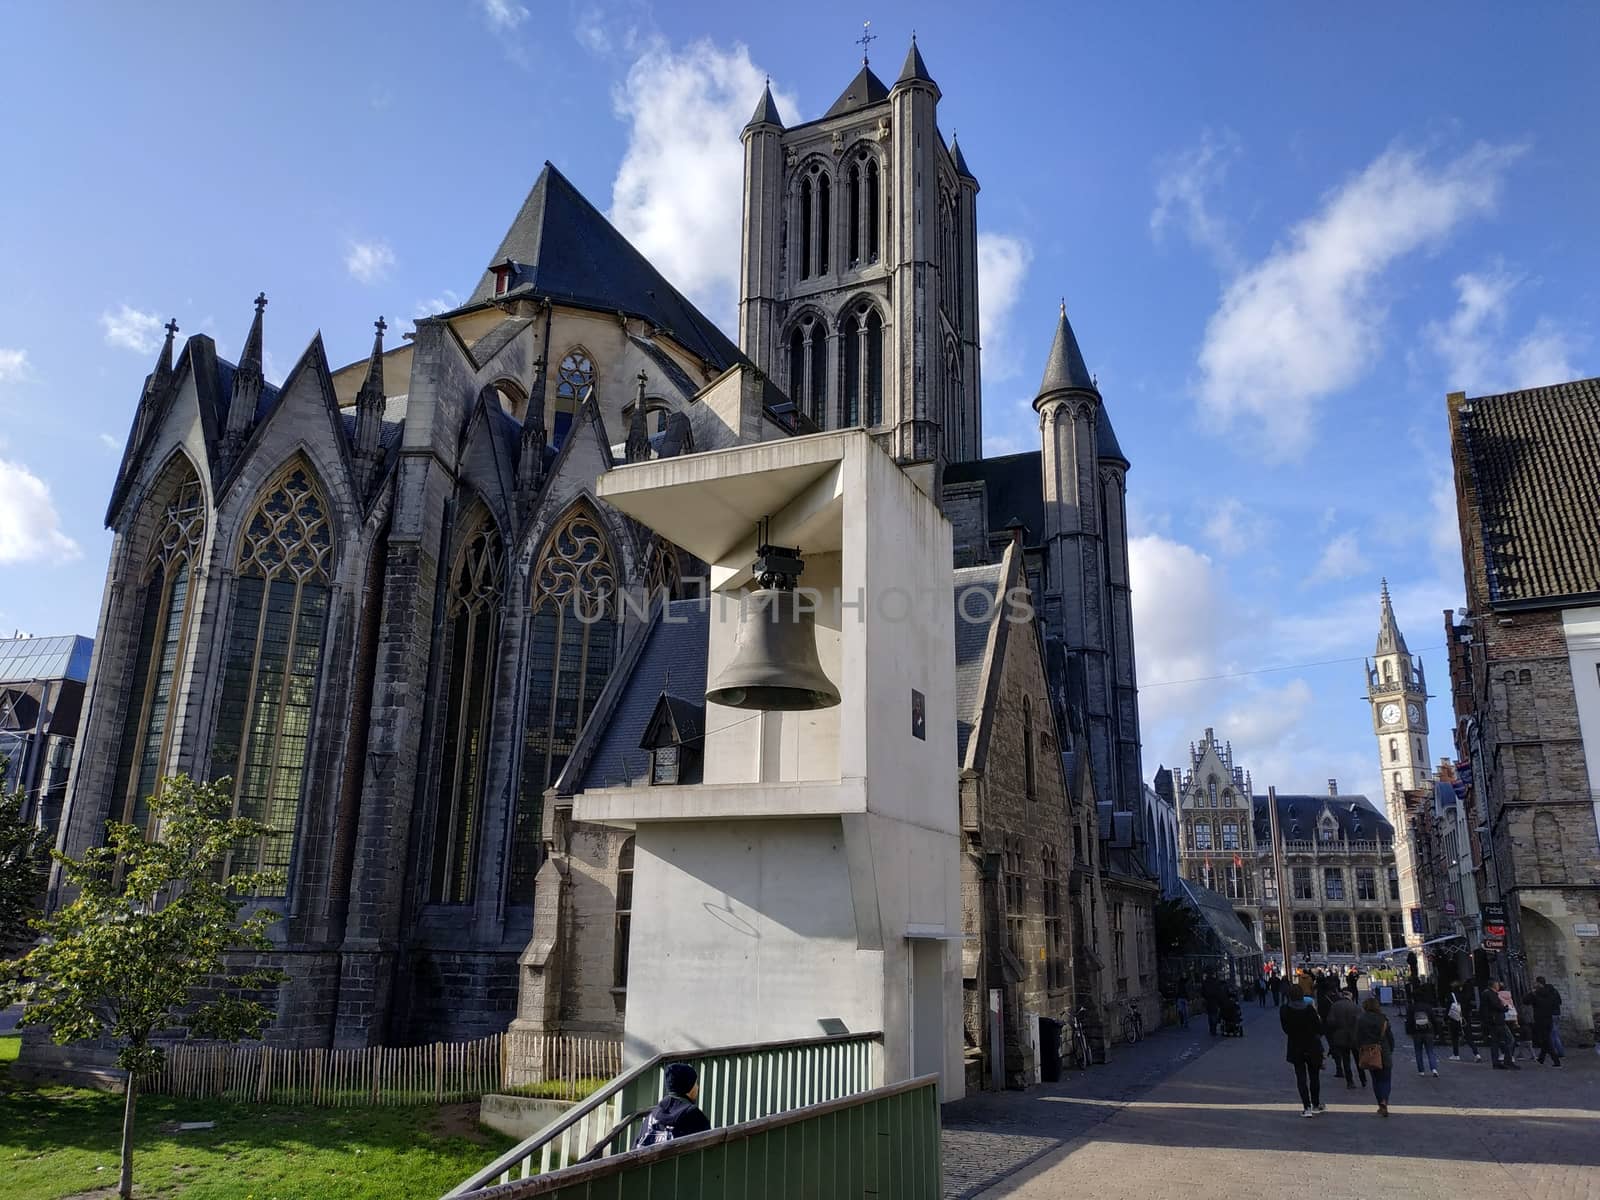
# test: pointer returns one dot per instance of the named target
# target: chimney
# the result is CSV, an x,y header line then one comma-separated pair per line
x,y
1333,787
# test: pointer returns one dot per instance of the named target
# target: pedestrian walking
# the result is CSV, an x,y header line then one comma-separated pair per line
x,y
1422,1024
1546,1028
1343,1018
1352,984
1261,992
1460,1018
1211,992
1375,1042
676,1115
1302,1030
1275,986
1496,1031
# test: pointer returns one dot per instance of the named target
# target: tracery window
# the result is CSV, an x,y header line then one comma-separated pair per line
x,y
472,621
1338,925
808,369
1202,835
276,629
624,919
1307,933
574,639
1230,835
862,404
864,233
158,656
1369,932
575,379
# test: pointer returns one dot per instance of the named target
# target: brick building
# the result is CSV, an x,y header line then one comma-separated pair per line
x,y
1525,676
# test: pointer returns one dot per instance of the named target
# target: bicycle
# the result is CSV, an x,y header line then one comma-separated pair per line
x,y
1133,1024
1078,1039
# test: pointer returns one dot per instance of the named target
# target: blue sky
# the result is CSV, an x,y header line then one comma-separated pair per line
x,y
1283,234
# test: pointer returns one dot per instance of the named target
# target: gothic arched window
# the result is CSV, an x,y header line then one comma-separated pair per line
x,y
275,634
472,622
574,639
1307,933
824,221
863,367
808,368
864,233
575,379
158,656
1394,749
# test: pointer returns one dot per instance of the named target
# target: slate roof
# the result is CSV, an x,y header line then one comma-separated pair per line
x,y
1534,456
960,160
669,655
914,69
66,657
972,639
864,90
766,110
1359,820
563,248
1065,368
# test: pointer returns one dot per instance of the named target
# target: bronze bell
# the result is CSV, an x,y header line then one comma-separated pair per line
x,y
775,666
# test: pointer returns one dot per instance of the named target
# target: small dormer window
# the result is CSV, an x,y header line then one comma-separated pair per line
x,y
664,764
502,278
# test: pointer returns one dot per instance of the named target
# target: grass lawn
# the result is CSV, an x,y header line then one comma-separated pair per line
x,y
57,1142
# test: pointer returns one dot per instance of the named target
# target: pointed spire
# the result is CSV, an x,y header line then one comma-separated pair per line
x,y
962,170
162,375
637,448
1065,370
369,409
1390,640
247,381
914,70
766,109
530,450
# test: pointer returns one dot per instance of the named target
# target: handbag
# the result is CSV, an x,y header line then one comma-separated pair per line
x,y
1455,1011
1370,1057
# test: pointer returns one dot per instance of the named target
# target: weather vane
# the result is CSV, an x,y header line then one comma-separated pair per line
x,y
865,40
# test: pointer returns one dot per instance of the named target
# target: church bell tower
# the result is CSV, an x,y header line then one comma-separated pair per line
x,y
1398,695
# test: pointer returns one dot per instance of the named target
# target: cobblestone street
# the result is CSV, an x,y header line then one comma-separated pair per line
x,y
1184,1115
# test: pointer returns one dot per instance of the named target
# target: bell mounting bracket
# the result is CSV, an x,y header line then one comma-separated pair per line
x,y
775,566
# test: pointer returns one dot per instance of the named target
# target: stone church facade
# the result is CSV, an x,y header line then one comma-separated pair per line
x,y
384,601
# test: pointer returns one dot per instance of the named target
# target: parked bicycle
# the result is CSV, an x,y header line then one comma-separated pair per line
x,y
1078,1039
1132,1024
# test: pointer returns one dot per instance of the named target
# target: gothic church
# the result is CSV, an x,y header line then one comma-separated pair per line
x,y
383,600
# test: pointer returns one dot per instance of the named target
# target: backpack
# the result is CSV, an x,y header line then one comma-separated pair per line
x,y
654,1133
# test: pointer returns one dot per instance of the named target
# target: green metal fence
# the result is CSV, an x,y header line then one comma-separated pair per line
x,y
882,1144
738,1084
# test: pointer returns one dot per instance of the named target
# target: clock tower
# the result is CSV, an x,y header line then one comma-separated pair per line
x,y
1398,694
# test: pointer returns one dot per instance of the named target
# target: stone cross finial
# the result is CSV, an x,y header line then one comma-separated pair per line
x,y
380,325
171,327
261,302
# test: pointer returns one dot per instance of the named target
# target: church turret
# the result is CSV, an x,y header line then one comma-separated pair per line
x,y
369,412
968,441
156,386
763,232
637,447
916,226
247,380
531,444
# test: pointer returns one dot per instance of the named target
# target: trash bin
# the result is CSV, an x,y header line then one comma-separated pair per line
x,y
1050,1050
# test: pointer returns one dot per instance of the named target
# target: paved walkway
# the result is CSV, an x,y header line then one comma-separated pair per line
x,y
1227,1123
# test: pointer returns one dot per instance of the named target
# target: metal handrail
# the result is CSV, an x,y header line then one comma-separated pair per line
x,y
733,1079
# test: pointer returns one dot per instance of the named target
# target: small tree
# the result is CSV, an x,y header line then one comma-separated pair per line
x,y
22,870
141,948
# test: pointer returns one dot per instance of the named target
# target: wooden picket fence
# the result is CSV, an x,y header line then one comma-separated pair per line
x,y
439,1073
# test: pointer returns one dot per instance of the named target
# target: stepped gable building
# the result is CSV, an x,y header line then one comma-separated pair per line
x,y
1218,843
384,601
1525,676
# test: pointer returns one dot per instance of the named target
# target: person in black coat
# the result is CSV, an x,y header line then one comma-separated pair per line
x,y
1546,1003
1302,1029
676,1115
1212,991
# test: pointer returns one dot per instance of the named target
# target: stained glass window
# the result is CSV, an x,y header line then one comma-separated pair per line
x,y
573,646
158,662
575,379
279,617
472,618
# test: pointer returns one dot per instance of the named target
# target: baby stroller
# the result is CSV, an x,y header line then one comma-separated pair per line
x,y
1232,1022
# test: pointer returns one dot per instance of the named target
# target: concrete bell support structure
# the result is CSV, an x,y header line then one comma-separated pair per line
x,y
814,875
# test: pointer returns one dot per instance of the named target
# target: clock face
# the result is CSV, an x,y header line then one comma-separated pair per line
x,y
1390,714
1413,712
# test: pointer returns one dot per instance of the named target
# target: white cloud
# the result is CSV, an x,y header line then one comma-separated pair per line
x,y
1473,345
13,365
443,302
1184,193
1003,261
1340,559
30,527
1307,321
112,444
503,16
131,329
591,32
1233,528
1179,619
677,195
369,262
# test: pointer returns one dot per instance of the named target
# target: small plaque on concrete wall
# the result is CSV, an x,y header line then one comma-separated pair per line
x,y
919,715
